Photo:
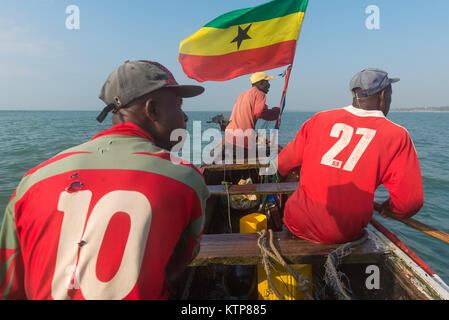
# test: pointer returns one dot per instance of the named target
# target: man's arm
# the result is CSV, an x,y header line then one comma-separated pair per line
x,y
11,262
261,110
270,114
403,181
188,245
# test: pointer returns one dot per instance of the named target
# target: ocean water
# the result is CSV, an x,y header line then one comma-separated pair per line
x,y
28,138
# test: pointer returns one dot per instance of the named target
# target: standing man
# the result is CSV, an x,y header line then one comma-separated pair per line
x,y
112,218
249,107
344,155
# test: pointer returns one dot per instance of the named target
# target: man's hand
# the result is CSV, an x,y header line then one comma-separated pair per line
x,y
293,176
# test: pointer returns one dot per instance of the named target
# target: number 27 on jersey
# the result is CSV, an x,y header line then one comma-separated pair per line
x,y
345,133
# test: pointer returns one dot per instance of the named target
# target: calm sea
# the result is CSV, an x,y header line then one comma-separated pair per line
x,y
29,138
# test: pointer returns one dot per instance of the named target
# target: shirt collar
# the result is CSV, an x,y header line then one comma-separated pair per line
x,y
364,113
125,129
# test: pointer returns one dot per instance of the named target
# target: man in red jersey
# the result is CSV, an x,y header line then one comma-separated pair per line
x,y
248,108
344,155
112,218
250,105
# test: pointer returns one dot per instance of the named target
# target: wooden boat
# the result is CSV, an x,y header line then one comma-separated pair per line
x,y
224,268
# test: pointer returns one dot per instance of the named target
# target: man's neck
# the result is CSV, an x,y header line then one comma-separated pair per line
x,y
259,90
365,105
364,113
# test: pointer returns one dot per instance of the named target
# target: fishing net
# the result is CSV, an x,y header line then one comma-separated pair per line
x,y
335,279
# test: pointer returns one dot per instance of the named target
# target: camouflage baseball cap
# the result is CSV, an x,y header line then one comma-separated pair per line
x,y
135,79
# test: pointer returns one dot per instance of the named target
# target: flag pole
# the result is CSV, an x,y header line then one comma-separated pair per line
x,y
284,93
287,78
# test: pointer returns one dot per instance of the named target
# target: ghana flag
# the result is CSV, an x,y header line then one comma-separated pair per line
x,y
244,41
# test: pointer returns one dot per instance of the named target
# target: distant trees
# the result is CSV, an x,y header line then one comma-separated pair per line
x,y
428,109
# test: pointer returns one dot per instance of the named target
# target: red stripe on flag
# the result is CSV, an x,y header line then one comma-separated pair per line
x,y
235,64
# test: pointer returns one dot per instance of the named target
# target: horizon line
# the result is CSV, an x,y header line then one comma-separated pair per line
x,y
195,110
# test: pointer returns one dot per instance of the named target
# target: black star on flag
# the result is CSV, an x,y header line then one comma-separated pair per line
x,y
242,35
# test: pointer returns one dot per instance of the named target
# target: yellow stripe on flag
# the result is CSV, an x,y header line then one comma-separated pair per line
x,y
213,42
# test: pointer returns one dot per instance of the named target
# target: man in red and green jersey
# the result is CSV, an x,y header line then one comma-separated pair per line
x,y
113,218
344,155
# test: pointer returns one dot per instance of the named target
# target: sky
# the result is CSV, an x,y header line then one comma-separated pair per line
x,y
45,66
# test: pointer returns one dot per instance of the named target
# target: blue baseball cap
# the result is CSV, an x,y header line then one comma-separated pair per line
x,y
371,81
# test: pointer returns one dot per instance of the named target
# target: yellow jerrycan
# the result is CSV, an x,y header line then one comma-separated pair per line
x,y
281,278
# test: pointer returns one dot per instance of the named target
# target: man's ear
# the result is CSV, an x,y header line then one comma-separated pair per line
x,y
150,109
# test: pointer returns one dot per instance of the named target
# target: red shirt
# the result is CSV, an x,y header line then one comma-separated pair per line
x,y
249,107
344,156
112,218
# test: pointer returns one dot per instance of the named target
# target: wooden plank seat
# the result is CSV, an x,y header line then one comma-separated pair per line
x,y
242,249
252,164
265,188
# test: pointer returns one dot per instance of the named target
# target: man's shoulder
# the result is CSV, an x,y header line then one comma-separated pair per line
x,y
393,126
165,164
252,92
191,175
174,162
327,115
354,113
61,155
329,112
374,119
129,165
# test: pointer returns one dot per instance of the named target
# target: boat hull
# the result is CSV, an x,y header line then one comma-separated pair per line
x,y
381,268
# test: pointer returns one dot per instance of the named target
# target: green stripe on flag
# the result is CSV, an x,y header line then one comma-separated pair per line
x,y
271,10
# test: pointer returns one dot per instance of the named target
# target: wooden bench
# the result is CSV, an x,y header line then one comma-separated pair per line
x,y
265,188
247,165
242,249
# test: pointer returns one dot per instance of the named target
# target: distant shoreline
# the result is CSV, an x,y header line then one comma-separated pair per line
x,y
436,110
425,109
421,111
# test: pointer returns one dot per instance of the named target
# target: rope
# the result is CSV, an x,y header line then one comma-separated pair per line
x,y
264,197
229,204
266,263
227,196
332,277
302,282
